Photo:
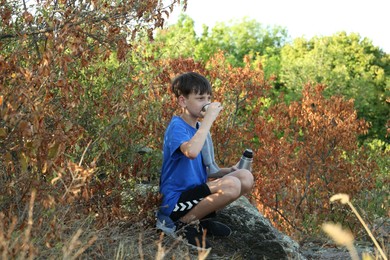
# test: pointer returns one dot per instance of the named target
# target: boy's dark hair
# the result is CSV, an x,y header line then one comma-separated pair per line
x,y
190,82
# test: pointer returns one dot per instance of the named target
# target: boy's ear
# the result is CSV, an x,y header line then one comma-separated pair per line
x,y
182,101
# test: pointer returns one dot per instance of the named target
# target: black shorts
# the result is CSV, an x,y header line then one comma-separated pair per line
x,y
189,199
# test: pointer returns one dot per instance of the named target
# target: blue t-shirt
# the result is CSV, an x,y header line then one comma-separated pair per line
x,y
179,173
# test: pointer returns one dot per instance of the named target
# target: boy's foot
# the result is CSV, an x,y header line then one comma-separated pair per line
x,y
193,234
215,228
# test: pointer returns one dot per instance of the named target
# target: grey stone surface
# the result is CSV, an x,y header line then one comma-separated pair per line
x,y
253,236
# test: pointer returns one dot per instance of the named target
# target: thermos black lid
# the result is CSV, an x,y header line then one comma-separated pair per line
x,y
248,153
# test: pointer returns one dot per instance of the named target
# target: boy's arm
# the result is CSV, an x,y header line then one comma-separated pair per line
x,y
193,147
223,171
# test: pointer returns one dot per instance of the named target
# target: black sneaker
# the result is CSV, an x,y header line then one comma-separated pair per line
x,y
193,234
215,228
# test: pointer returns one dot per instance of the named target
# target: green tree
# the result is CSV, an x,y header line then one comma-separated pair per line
x,y
179,40
236,39
239,38
349,66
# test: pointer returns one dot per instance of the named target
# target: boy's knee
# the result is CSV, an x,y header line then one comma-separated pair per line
x,y
247,179
231,186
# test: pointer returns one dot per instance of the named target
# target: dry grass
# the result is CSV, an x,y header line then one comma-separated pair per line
x,y
14,245
66,230
130,241
79,238
345,238
68,234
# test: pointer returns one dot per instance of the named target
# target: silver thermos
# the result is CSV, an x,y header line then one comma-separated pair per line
x,y
246,160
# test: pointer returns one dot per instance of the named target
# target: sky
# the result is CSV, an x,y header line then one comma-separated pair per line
x,y
301,18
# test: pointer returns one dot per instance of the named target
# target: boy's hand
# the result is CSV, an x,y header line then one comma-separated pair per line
x,y
234,167
213,111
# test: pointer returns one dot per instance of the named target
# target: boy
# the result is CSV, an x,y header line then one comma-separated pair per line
x,y
189,199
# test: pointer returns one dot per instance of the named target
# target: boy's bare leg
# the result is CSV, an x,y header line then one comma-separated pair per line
x,y
246,179
223,191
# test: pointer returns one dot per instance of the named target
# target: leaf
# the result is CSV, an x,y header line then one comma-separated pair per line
x,y
53,150
54,180
68,126
23,160
3,132
7,158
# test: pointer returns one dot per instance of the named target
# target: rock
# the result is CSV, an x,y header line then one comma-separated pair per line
x,y
253,236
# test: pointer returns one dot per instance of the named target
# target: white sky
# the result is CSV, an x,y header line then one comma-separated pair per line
x,y
307,18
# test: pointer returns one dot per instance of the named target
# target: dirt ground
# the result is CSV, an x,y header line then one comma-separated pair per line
x,y
318,250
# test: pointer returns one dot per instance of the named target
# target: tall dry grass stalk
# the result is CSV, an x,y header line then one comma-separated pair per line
x,y
19,247
161,251
120,253
341,237
27,245
344,199
75,244
140,249
5,236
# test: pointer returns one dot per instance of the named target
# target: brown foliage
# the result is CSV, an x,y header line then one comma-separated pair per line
x,y
45,143
42,88
306,155
241,91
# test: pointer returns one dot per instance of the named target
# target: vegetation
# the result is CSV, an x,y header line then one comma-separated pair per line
x,y
84,100
345,238
350,67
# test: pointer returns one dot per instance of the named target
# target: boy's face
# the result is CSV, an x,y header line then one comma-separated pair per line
x,y
194,103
